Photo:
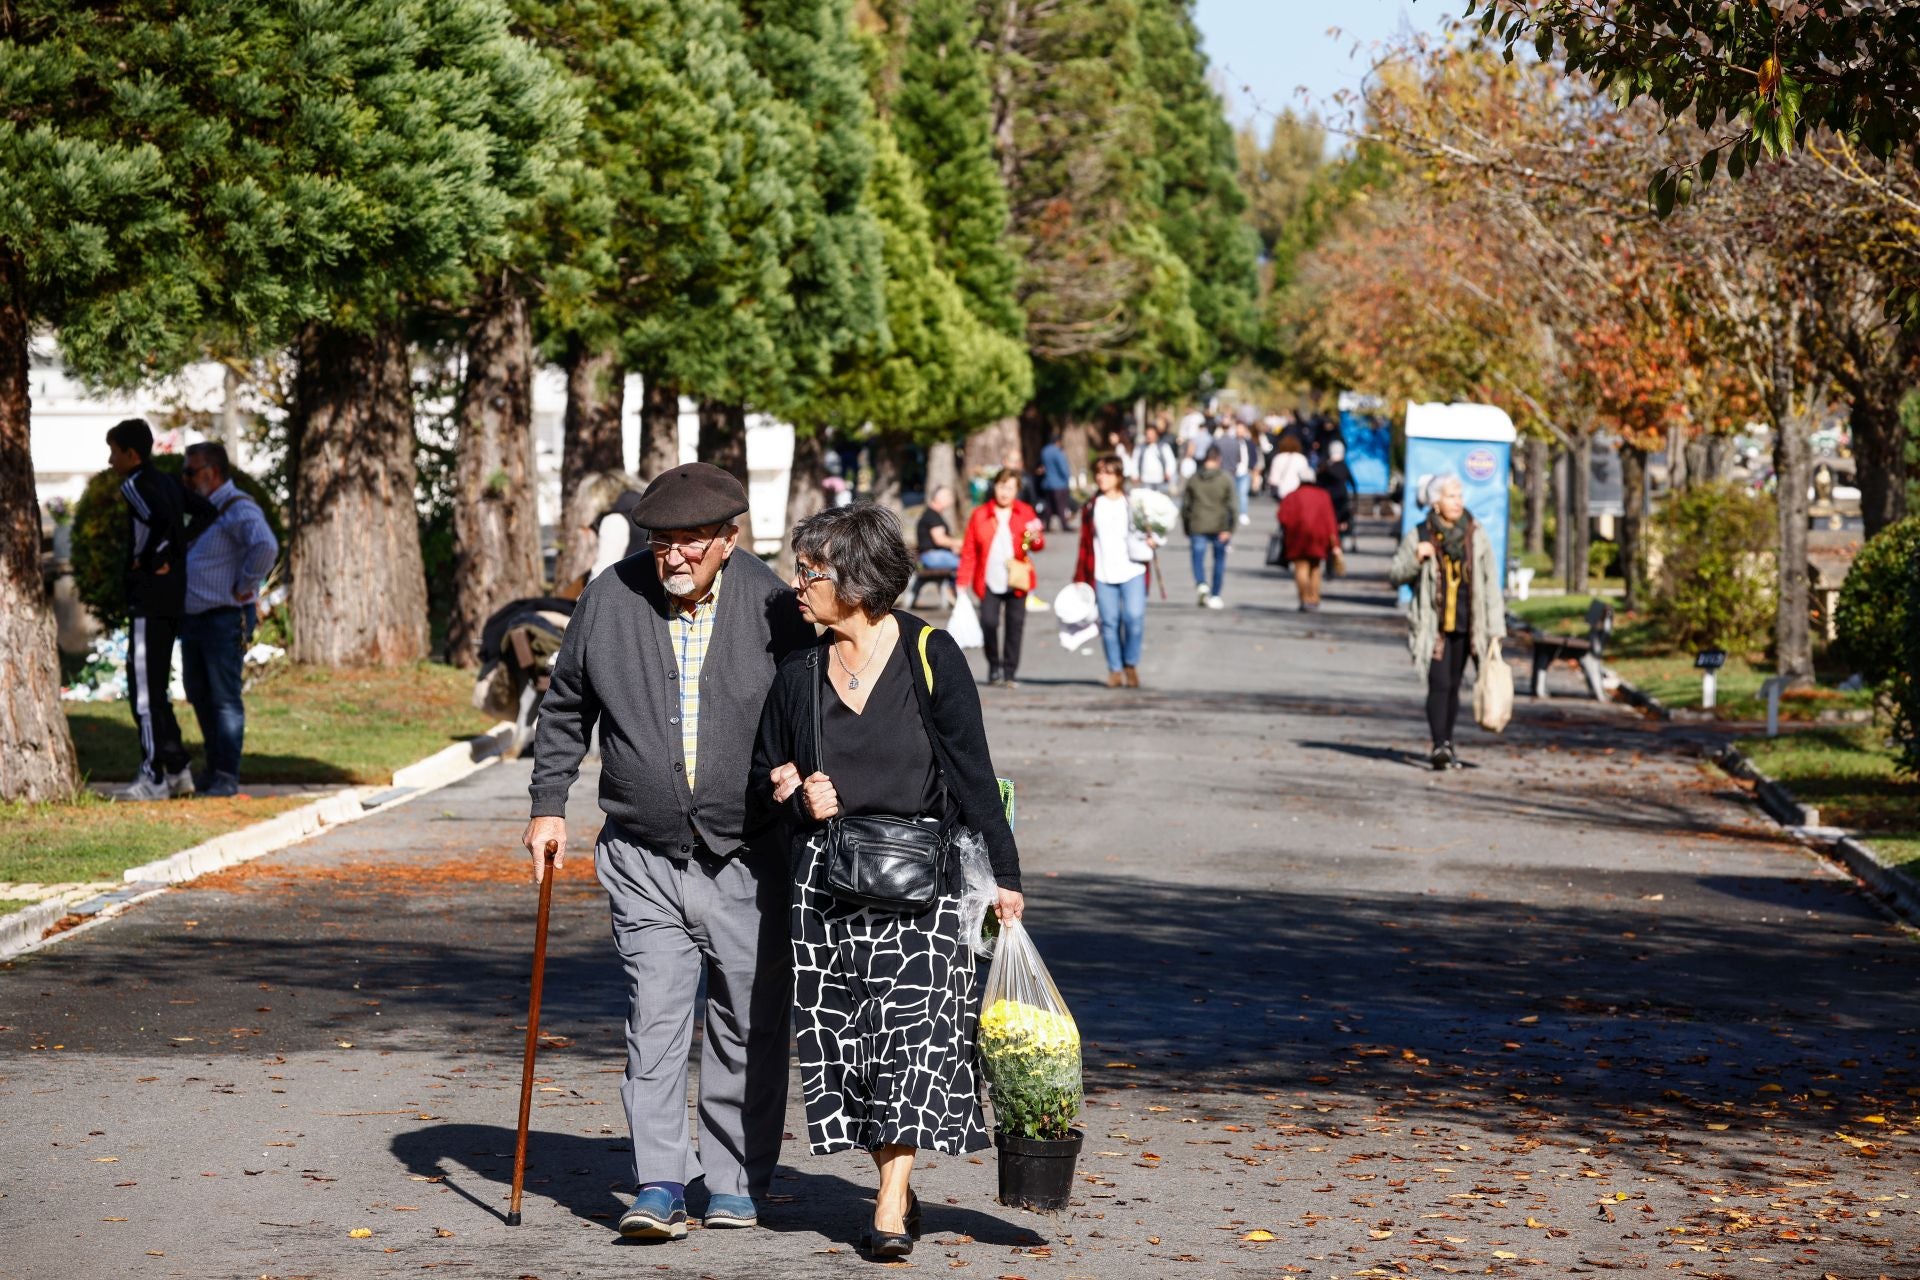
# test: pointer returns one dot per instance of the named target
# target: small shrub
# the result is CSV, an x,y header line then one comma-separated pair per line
x,y
1718,580
100,547
1872,616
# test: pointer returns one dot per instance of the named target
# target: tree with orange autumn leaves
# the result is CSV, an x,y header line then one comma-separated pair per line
x,y
1555,291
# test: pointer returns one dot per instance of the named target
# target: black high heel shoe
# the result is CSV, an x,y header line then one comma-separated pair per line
x,y
887,1246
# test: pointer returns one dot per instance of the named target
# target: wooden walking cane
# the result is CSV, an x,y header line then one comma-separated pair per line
x,y
533,1031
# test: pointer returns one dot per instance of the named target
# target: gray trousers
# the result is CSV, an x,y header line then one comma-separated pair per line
x,y
673,920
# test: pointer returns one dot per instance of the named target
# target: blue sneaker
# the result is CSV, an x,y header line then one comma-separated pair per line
x,y
656,1215
731,1211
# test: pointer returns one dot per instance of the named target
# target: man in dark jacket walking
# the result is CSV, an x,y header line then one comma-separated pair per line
x,y
1209,510
671,654
158,507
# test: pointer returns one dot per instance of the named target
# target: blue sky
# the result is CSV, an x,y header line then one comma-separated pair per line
x,y
1277,47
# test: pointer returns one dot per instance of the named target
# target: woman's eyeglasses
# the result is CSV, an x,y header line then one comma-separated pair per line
x,y
807,577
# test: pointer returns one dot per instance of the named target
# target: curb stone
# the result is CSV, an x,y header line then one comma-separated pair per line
x,y
1802,822
26,931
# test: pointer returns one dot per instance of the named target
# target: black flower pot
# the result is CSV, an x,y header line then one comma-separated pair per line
x,y
1037,1173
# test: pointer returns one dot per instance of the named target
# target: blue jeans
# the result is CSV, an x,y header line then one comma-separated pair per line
x,y
1242,486
1123,620
211,659
941,559
1200,545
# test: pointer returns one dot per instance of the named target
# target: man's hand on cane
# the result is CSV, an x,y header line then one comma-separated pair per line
x,y
542,832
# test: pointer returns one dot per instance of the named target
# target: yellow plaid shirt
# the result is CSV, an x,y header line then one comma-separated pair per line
x,y
692,631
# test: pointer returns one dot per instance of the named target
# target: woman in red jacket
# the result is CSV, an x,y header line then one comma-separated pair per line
x,y
995,566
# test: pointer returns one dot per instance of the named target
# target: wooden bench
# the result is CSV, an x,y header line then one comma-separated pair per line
x,y
1586,653
922,577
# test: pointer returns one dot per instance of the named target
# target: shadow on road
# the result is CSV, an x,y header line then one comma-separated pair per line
x,y
592,1178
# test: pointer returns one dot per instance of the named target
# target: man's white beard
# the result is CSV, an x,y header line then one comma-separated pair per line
x,y
680,585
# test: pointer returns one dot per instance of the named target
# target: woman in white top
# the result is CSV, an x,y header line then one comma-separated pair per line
x,y
1113,560
1290,468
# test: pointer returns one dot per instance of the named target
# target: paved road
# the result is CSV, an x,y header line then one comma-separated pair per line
x,y
1573,1010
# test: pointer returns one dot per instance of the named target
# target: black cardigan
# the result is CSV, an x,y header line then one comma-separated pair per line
x,y
951,713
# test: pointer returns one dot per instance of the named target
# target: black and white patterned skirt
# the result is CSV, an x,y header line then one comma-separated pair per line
x,y
884,1016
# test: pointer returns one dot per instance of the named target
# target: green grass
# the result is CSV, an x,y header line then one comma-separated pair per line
x,y
96,839
1849,774
10,905
1654,667
304,725
309,724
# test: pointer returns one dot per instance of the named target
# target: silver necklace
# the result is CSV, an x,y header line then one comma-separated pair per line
x,y
853,677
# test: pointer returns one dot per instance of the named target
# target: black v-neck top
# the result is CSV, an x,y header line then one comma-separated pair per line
x,y
881,760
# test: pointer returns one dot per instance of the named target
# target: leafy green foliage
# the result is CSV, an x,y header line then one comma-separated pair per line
x,y
668,231
1904,688
1201,204
100,546
942,115
1032,1057
1764,75
1872,616
1715,588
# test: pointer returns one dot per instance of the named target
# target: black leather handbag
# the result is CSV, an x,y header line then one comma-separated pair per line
x,y
877,860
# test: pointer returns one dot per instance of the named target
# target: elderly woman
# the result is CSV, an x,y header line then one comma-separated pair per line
x,y
883,999
1457,607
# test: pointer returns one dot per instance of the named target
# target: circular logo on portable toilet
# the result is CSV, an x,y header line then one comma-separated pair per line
x,y
1481,464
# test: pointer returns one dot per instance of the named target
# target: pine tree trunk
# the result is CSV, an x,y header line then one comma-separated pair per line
x,y
1633,521
590,445
1579,520
723,437
1880,462
358,593
1562,514
889,464
496,518
943,468
1536,495
37,761
659,425
805,494
1793,472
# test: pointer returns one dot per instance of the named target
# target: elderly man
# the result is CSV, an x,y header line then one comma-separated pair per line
x,y
225,565
671,653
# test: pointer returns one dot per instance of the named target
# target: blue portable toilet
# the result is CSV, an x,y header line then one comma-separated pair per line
x,y
1473,442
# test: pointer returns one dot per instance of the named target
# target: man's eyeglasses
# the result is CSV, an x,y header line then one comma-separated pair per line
x,y
691,548
807,577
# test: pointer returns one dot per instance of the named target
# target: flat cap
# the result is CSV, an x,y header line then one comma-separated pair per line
x,y
690,496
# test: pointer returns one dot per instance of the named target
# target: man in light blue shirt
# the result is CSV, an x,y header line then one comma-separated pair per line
x,y
225,565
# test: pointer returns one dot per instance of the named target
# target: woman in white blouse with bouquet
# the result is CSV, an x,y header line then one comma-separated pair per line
x,y
1113,560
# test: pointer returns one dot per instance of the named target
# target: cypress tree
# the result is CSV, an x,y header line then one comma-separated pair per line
x,y
942,115
806,52
1201,207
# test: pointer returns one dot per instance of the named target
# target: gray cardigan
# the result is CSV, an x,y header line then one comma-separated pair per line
x,y
617,668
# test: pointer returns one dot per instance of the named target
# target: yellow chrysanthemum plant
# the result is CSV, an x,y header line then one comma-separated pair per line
x,y
1029,1045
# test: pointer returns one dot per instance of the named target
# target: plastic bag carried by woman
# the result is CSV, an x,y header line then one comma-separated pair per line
x,y
1028,1043
964,623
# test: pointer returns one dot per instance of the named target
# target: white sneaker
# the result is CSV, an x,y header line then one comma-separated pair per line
x,y
1246,519
181,783
1200,594
142,788
1215,602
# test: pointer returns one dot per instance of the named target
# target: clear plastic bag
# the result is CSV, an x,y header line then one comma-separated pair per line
x,y
1029,1044
978,893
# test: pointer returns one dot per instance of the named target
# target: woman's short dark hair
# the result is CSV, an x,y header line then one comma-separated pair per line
x,y
1004,473
1111,464
861,545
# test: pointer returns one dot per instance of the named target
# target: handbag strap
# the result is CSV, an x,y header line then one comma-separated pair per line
x,y
814,676
926,634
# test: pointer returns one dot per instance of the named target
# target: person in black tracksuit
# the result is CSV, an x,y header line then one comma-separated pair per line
x,y
158,511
